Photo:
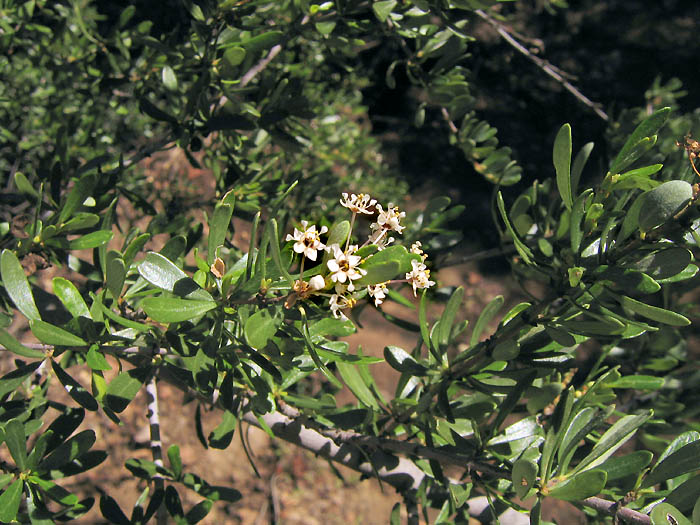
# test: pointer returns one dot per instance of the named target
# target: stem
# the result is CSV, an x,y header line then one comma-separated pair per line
x,y
156,445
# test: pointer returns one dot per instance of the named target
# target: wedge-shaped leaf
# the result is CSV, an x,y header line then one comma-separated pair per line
x,y
75,389
69,295
667,514
17,286
16,442
685,459
581,486
53,335
579,427
10,500
353,379
91,240
524,477
616,436
402,361
161,272
174,309
122,389
653,312
623,466
520,246
562,164
646,128
69,450
218,228
485,317
13,345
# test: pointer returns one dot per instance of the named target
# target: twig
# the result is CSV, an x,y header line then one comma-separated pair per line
x,y
611,508
156,445
545,66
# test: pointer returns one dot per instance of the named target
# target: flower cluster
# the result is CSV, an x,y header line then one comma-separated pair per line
x,y
343,267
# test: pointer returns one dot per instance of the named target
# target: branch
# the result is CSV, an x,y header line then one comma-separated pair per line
x,y
611,508
156,445
545,66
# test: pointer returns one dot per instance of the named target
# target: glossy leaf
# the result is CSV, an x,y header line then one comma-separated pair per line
x,y
646,128
685,459
562,164
262,326
74,388
16,285
489,311
402,361
91,240
115,273
122,389
69,450
638,382
662,203
69,295
667,514
581,486
16,442
448,316
218,228
630,464
77,195
653,312
578,165
174,309
354,381
161,272
382,9
521,247
222,435
10,500
53,335
13,345
524,477
684,496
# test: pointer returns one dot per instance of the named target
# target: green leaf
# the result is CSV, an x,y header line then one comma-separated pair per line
x,y
652,312
10,500
69,295
638,382
448,316
24,186
169,78
199,511
262,325
383,9
520,246
69,450
664,264
53,335
578,165
667,514
312,350
55,492
14,346
79,221
96,360
77,195
629,280
524,477
332,327
353,379
91,240
75,389
685,459
16,442
175,460
162,273
631,220
218,228
645,129
174,309
378,273
562,164
234,55
578,211
16,285
336,235
663,202
423,322
684,496
581,486
222,435
122,389
276,255
489,311
115,273
623,466
402,361
616,436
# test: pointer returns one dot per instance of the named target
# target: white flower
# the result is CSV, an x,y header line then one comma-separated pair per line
x,y
389,219
308,240
378,292
379,238
317,282
343,266
419,276
340,302
416,248
358,203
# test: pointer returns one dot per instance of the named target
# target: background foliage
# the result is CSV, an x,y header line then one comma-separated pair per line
x,y
583,393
